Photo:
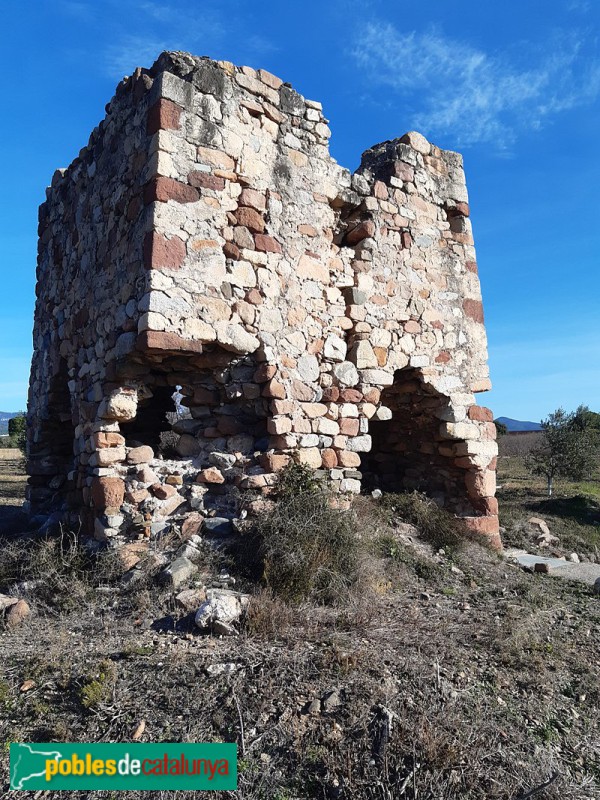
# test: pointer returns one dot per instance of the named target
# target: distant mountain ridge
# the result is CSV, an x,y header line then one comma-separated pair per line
x,y
513,425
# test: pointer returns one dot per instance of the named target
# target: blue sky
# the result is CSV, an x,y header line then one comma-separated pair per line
x,y
514,86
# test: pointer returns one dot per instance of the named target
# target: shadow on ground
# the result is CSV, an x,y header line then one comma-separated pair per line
x,y
579,508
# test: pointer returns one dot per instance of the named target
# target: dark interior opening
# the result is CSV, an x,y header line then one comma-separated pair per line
x,y
157,412
405,453
51,457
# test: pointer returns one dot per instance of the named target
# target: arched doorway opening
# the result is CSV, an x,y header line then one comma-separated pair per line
x,y
408,453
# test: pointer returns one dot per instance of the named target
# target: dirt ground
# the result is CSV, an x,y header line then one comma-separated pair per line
x,y
450,675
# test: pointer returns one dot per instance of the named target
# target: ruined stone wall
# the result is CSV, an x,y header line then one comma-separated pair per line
x,y
90,280
295,308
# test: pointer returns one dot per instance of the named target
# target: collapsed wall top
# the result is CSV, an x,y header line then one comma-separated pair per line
x,y
206,239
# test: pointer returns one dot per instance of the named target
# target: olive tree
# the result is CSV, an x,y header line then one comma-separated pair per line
x,y
17,428
567,449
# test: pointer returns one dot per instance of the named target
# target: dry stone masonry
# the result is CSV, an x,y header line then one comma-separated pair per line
x,y
216,296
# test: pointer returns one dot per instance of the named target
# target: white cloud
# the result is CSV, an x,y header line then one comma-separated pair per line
x,y
174,25
128,52
451,87
579,5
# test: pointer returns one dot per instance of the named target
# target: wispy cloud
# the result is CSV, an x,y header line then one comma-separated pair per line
x,y
128,52
451,87
161,26
579,5
141,29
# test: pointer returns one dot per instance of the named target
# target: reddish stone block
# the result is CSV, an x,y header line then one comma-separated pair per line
x,y
266,244
372,396
307,230
473,309
165,189
272,462
210,475
264,373
364,230
406,240
254,297
482,524
274,389
162,491
137,496
349,426
109,439
331,394
163,253
488,527
140,455
471,266
480,414
380,190
204,180
250,219
253,199
163,115
108,492
329,458
192,525
480,483
403,171
412,326
348,459
381,354
231,250
350,395
300,391
489,432
487,506
161,340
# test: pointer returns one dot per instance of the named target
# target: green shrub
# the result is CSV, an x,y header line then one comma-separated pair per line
x,y
17,431
436,526
99,688
304,548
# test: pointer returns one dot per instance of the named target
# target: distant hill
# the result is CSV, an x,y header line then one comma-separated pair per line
x,y
518,425
4,417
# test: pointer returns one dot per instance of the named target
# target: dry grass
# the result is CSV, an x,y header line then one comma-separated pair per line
x,y
10,454
479,686
12,491
12,477
452,676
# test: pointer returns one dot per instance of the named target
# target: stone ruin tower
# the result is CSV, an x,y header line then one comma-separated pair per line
x,y
217,296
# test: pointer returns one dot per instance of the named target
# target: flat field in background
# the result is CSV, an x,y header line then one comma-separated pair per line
x,y
12,477
572,513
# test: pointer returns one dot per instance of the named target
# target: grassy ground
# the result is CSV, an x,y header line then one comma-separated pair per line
x,y
572,513
446,675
